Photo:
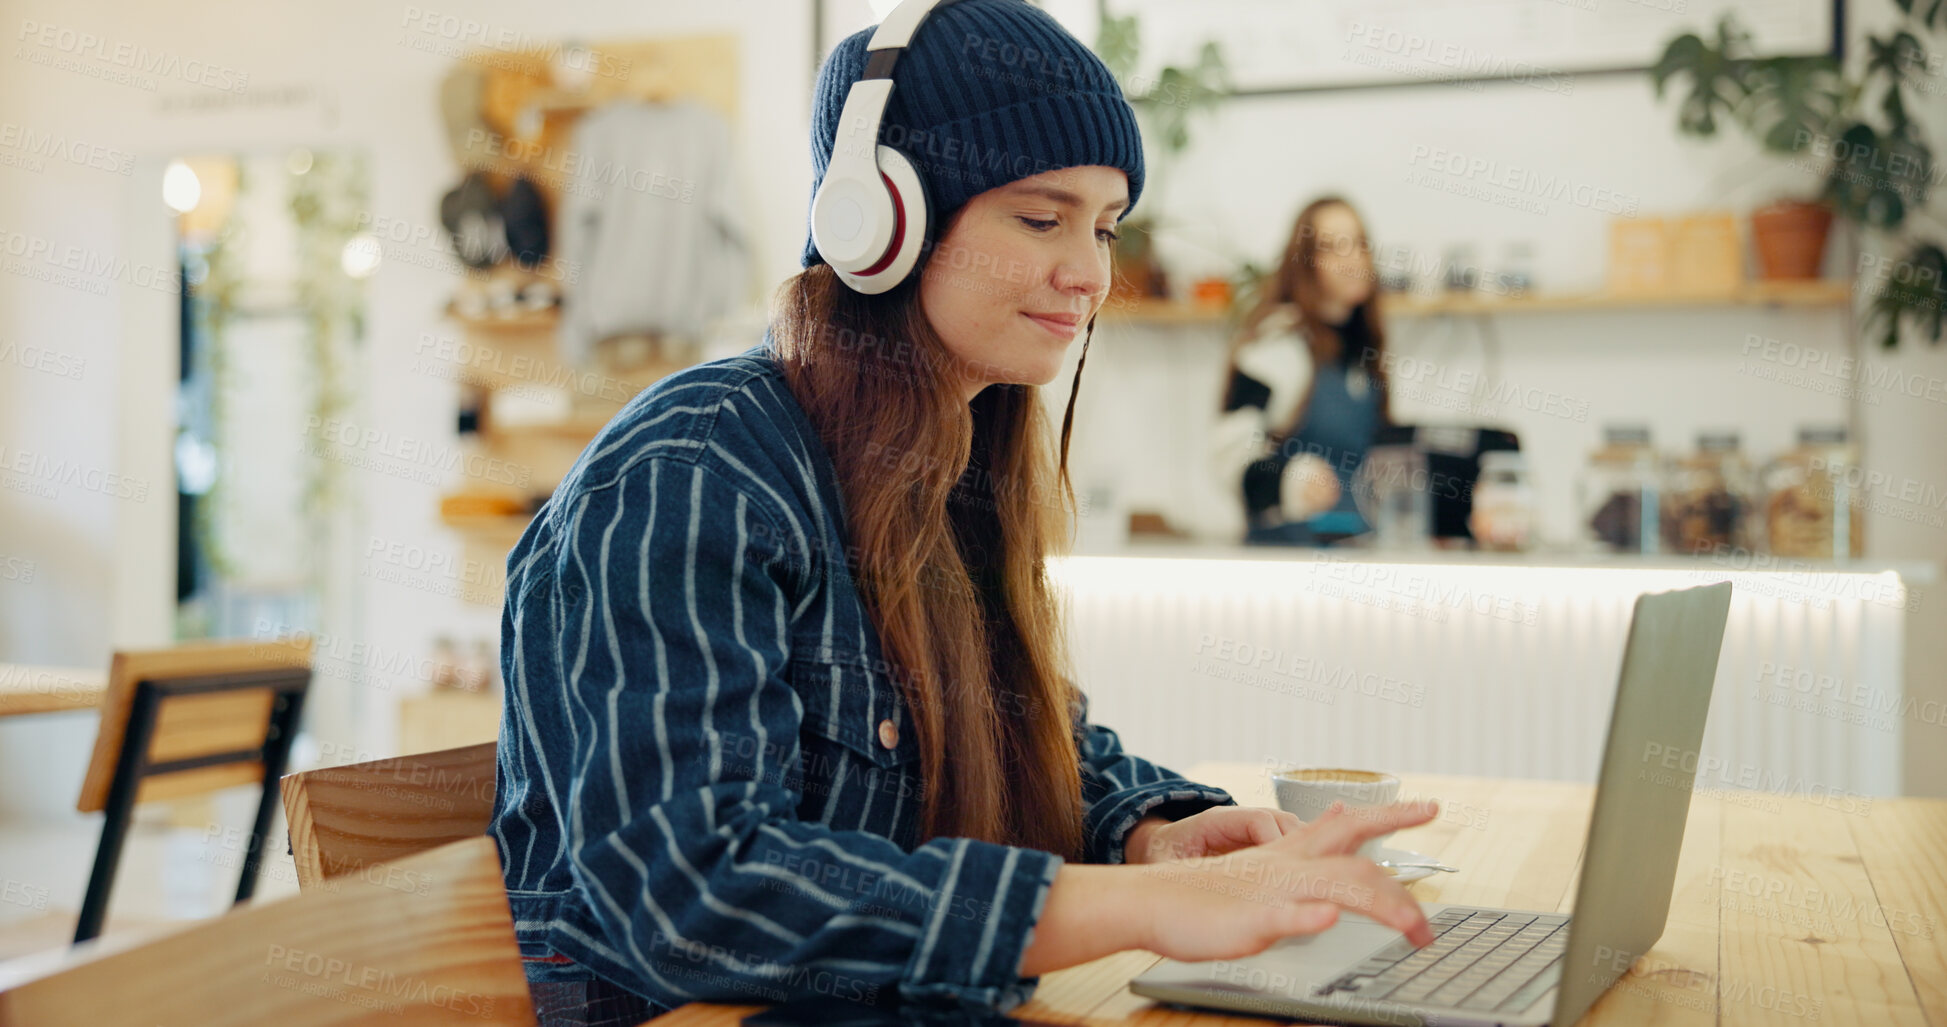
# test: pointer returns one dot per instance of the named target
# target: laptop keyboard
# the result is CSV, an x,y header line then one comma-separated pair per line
x,y
1479,960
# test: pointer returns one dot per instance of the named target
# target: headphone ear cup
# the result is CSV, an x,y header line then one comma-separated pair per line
x,y
843,215
911,217
911,187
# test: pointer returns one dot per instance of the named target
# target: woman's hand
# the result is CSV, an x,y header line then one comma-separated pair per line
x,y
1242,901
1309,487
1210,832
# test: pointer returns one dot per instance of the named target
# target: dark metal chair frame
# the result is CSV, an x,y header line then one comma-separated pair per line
x,y
132,767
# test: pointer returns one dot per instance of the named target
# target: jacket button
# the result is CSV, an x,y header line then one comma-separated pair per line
x,y
888,734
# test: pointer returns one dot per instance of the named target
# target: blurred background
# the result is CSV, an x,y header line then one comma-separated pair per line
x,y
305,311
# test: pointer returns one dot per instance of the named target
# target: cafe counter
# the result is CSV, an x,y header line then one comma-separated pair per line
x,y
1497,665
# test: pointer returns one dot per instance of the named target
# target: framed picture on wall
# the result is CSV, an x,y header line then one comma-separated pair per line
x,y
1277,46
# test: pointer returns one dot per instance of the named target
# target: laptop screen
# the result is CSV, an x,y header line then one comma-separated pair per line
x,y
1643,794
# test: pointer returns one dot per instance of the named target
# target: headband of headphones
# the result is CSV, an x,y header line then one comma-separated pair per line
x,y
870,214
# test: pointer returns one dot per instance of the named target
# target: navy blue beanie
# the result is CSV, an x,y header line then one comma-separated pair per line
x,y
990,92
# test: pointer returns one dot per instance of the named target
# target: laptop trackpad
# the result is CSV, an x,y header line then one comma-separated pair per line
x,y
1293,967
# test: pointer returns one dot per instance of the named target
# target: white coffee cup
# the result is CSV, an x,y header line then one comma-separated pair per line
x,y
1309,791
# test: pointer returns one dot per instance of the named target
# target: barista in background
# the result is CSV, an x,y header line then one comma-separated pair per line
x,y
1305,385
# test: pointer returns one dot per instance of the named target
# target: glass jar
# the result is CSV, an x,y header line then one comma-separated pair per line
x,y
1503,517
1811,508
1517,274
1707,497
1390,490
1463,273
1619,491
1393,262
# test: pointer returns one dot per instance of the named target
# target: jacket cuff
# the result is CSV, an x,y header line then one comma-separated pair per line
x,y
1109,821
970,948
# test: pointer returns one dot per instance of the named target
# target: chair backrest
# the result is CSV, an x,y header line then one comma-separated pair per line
x,y
350,818
434,941
189,729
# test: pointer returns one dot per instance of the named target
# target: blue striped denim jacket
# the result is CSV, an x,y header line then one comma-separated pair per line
x,y
707,789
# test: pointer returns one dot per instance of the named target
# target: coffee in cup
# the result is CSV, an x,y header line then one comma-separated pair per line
x,y
1309,791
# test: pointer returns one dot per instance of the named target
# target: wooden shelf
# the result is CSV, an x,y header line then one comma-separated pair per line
x,y
489,527
485,541
544,319
581,428
1818,293
1150,310
1803,294
521,349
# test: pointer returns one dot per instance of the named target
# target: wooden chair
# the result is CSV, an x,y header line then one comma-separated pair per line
x,y
431,944
185,721
346,819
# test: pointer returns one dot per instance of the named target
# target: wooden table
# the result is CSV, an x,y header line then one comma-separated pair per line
x,y
26,689
1785,910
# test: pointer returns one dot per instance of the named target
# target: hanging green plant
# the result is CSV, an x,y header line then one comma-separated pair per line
x,y
214,303
327,199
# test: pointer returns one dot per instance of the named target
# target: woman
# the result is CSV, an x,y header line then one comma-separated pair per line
x,y
786,711
1305,385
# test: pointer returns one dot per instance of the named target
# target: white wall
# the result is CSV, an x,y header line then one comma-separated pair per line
x,y
334,76
340,76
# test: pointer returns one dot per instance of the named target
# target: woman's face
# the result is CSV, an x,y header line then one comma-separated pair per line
x,y
1012,284
1345,273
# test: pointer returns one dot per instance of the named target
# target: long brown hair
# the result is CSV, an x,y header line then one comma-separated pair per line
x,y
1295,282
950,510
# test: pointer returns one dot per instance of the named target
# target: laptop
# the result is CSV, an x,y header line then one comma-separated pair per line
x,y
1518,967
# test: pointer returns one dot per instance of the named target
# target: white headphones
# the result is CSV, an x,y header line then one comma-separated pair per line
x,y
869,216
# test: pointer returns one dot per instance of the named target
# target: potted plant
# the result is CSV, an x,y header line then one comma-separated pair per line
x,y
1166,104
1877,168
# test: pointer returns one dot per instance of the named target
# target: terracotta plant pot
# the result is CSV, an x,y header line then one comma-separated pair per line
x,y
1131,282
1790,238
1138,273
